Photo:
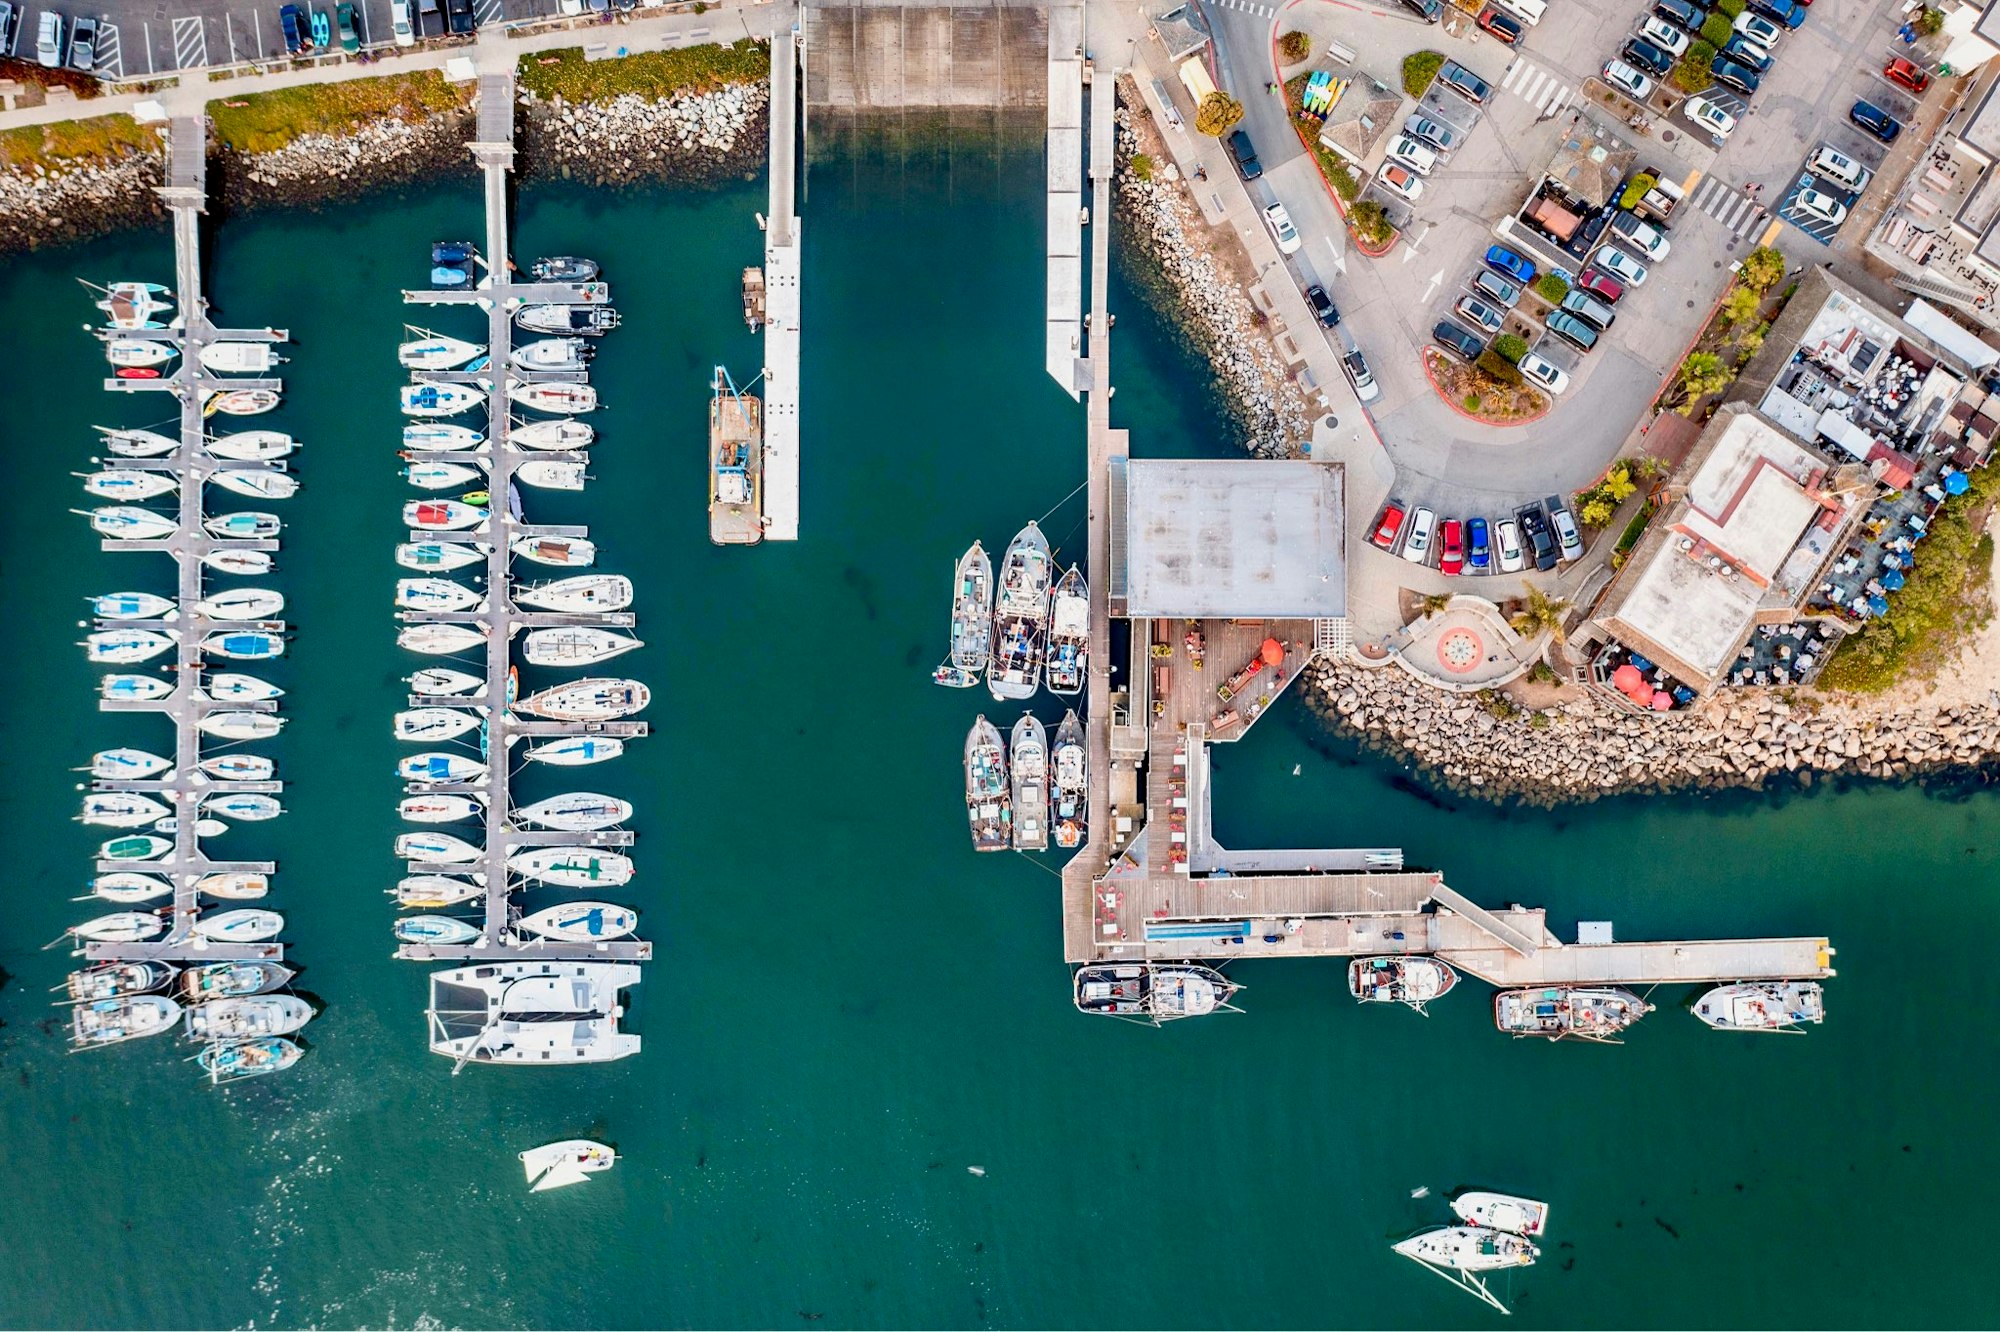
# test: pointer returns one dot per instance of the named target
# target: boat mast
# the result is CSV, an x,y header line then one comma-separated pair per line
x,y
1464,1280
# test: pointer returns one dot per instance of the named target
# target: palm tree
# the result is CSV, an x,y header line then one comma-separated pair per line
x,y
1435,602
1540,614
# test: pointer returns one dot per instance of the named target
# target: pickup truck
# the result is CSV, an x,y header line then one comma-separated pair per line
x,y
1658,203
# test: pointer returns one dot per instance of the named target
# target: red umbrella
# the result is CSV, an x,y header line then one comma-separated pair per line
x,y
1663,701
1274,652
1626,678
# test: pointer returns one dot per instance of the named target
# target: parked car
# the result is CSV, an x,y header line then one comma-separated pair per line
x,y
1417,546
1486,318
430,18
1457,340
1780,11
1390,527
293,23
1709,114
1430,11
1875,120
1464,82
1682,13
1627,80
1451,547
1621,266
1502,28
1358,374
1588,308
1418,157
1275,217
1648,57
1541,547
1819,207
1507,537
1643,235
1572,330
1569,543
462,21
1544,373
1907,74
343,19
401,24
49,40
1245,154
83,44
1748,53
1498,289
1600,284
1425,130
1758,29
1839,170
1513,265
1529,12
1322,305
1478,554
1399,180
10,24
1665,36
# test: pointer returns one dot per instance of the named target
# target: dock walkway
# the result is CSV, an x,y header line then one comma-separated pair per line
x,y
784,269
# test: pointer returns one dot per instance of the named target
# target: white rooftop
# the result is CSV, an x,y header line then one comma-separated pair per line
x,y
1235,538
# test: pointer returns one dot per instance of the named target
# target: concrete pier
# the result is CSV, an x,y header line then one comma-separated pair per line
x,y
784,268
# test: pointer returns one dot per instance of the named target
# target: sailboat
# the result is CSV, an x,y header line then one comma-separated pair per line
x,y
972,615
436,594
441,475
233,885
247,525
581,645
128,765
581,595
587,700
1399,979
439,682
124,523
581,922
1153,992
440,437
121,809
133,304
130,606
1069,784
121,927
234,687
122,647
578,811
138,443
241,725
434,890
434,930
433,351
1069,635
986,794
241,603
239,767
534,1014
575,751
443,515
256,483
240,358
243,925
125,483
562,433
1501,1211
561,1164
1029,769
1020,616
429,724
242,563
428,808
572,866
437,766
133,688
439,399
442,556
139,351
245,806
441,639
244,645
1460,1253
129,889
240,402
437,848
566,552
250,446
560,399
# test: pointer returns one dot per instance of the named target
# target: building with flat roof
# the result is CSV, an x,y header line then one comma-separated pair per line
x,y
1940,236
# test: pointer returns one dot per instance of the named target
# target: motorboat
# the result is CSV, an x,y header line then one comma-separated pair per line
x,y
1152,991
125,483
128,889
587,700
436,594
564,268
429,724
234,687
578,811
242,563
256,483
438,808
558,399
130,606
243,806
251,446
561,433
1501,1211
589,321
133,688
576,751
1762,1006
435,930
242,925
572,866
203,827
440,437
436,847
1020,616
239,768
111,980
1587,1013
229,980
561,1164
551,474
125,523
437,682
138,443
122,647
248,525
552,354
581,645
580,595
443,515
972,611
244,645
440,556
568,553
240,402
533,1013
1069,635
248,1017
439,399
581,922
441,475
121,927
233,1061
133,304
440,767
441,639
423,891
1069,784
435,352
987,799
240,358
121,809
126,765
1028,773
233,885
241,725
139,351
242,603
108,1021
1399,979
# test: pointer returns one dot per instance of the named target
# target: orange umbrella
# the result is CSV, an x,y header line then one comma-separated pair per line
x,y
1274,652
1626,678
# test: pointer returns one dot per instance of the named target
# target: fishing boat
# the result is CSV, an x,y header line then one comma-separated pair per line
x,y
123,523
248,525
436,594
972,611
552,354
1555,1011
240,358
580,595
575,646
241,725
437,766
171,825
589,321
581,922
130,889
244,645
1501,1211
1069,635
1020,616
572,866
441,639
243,925
234,687
130,606
576,751
121,647
124,483
436,682
233,885
108,1021
434,890
443,515
440,437
240,402
138,443
551,474
239,768
435,930
557,399
133,688
130,765
1153,992
986,794
243,806
442,556
433,351
139,351
1460,1254
578,811
121,927
233,1061
112,980
735,464
428,724
568,553
1028,765
241,603
1762,1006
133,304
754,292
437,847
953,677
441,475
531,1013
1069,784
248,1017
587,700
439,399
229,980
257,484
242,563
564,268
121,809
427,808
561,1164
562,433
251,446
1399,979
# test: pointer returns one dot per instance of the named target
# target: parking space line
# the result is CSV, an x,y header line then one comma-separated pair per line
x,y
110,51
190,43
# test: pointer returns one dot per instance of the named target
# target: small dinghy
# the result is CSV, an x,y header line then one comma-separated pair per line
x,y
124,483
436,848
564,1163
130,889
239,768
439,640
139,351
435,930
588,321
251,446
109,980
437,766
254,645
122,809
130,606
581,595
422,891
548,474
234,885
552,354
439,399
124,523
133,688
229,686
443,515
257,484
581,922
572,866
432,352
108,1021
248,1018
138,443
202,827
564,268
1502,1211
576,751
241,603
126,765
240,402
570,553
560,434
244,806
579,811
140,847
556,399
122,647
442,556
431,724
441,476
436,594
121,927
578,646
441,683
242,563
440,437
438,808
240,358
227,980
242,725
233,1061
248,525
243,925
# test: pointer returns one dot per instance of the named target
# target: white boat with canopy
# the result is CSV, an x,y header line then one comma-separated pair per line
x,y
561,1164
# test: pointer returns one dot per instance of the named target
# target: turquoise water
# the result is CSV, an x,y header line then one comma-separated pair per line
x,y
848,1008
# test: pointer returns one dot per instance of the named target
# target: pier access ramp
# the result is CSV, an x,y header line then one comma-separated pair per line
x,y
866,56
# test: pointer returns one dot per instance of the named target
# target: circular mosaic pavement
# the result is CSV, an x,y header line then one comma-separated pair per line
x,y
1460,650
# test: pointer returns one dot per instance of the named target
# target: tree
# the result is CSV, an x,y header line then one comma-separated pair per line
x,y
1142,166
1701,374
1435,602
1218,114
1741,306
1690,73
1295,46
1716,30
1418,71
1763,268
1371,222
1930,22
1748,346
1618,484
1512,346
1539,614
1497,367
1596,511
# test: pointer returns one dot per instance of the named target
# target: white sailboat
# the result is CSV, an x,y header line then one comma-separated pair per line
x,y
130,606
138,443
242,725
248,525
561,399
241,603
233,885
581,922
242,563
564,552
138,846
121,927
438,808
562,433
234,687
576,751
534,1014
433,351
439,640
122,809
441,475
434,930
1460,1253
436,766
257,483
239,767
240,358
436,594
581,645
240,402
129,889
436,848
251,446
580,595
578,811
139,351
125,523
443,515
437,682
121,647
431,724
561,1164
441,437
424,891
439,399
438,556
126,483
572,866
244,645
243,925
587,700
133,688
127,765
245,806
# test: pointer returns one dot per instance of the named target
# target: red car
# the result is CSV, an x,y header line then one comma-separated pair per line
x,y
1389,528
1908,74
1451,547
1502,27
1600,283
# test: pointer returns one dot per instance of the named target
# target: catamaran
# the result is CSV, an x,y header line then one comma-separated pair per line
x,y
561,433
1501,1211
248,1017
569,553
1069,635
248,525
124,523
108,1021
587,700
532,1013
130,606
1399,979
1020,616
576,751
233,885
986,795
130,889
232,1061
581,922
226,980
230,686
428,724
1069,784
579,646
243,925
250,446
139,351
423,891
439,399
443,515
125,483
241,725
242,603
1555,1011
240,358
427,808
551,474
441,475
438,682
253,645
120,647
439,767
129,765
257,484
138,443
441,639
1460,1253
558,399
112,980
121,809
552,354
442,556
580,595
240,402
433,351
1153,992
572,866
437,848
972,614
244,806
578,811
436,594
1762,1006
1029,769
133,304
561,1164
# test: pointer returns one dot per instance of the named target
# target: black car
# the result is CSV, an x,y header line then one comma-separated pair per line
x,y
1681,14
1740,77
1430,11
430,18
1323,306
461,16
1648,57
1746,51
1457,340
1464,82
1535,529
1245,154
83,45
1875,120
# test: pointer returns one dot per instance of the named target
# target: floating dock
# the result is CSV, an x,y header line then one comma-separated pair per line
x,y
784,259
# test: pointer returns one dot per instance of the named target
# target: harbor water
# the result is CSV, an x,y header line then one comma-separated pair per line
x,y
848,1011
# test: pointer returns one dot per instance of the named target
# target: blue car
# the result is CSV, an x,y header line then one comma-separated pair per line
x,y
1477,552
293,22
1875,120
1787,12
1513,265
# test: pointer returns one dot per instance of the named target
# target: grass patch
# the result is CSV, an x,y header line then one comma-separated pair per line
x,y
654,74
1418,71
1636,528
263,122
68,141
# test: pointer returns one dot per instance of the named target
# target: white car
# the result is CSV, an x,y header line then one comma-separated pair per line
x,y
1627,80
1620,265
1820,207
1417,546
399,23
1545,374
1641,235
1282,229
1708,113
1506,534
1400,181
1664,35
48,40
1418,157
1759,31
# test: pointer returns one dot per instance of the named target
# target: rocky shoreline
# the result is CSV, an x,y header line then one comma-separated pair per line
x,y
695,138
317,169
59,206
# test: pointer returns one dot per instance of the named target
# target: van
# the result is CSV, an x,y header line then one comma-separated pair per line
x,y
1592,310
1549,216
1833,165
1528,11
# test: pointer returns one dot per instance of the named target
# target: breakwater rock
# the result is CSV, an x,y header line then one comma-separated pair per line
x,y
316,169
695,136
1584,747
43,205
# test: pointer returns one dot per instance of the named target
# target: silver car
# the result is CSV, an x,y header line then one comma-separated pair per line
x,y
1507,542
49,41
1621,266
1417,546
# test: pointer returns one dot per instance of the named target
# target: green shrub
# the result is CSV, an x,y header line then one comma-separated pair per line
x,y
1495,366
1636,188
1472,401
1218,114
1716,31
1419,70
1551,288
1690,73
655,74
1295,46
1341,176
1512,346
1732,9
1371,222
1762,268
1929,22
1142,166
